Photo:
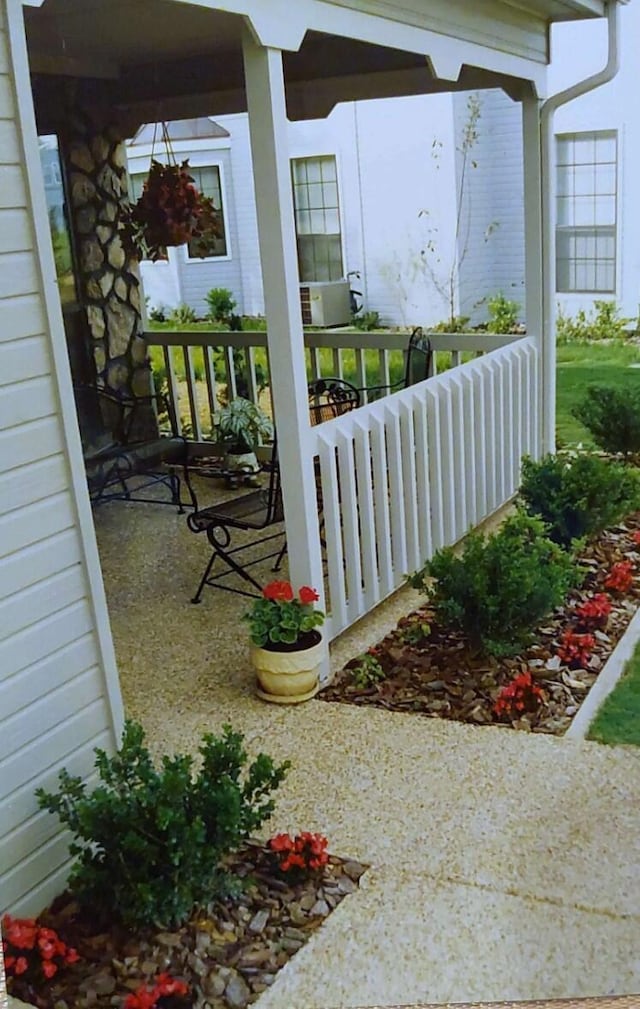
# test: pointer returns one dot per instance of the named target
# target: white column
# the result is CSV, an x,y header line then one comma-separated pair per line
x,y
535,267
274,201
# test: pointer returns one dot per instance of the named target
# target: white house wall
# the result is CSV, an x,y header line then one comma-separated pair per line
x,y
578,50
59,695
493,198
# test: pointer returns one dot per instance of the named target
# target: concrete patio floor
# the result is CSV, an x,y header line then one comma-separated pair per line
x,y
503,865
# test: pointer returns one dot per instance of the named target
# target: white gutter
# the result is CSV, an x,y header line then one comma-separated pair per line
x,y
547,112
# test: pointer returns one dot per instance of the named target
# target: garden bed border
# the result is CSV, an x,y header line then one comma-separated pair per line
x,y
606,680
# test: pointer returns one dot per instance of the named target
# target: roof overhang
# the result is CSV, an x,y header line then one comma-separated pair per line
x,y
173,59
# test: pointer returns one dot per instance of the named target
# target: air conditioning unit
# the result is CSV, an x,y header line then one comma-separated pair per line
x,y
325,303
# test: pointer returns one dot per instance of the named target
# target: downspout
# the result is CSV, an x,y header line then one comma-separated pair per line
x,y
547,112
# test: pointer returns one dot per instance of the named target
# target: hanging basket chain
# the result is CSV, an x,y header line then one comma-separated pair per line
x,y
171,211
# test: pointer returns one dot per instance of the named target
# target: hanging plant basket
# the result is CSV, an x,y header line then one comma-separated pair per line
x,y
170,212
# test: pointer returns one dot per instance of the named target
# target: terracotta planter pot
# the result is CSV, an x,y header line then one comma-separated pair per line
x,y
288,677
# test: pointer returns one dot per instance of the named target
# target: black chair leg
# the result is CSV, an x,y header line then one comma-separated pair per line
x,y
280,558
203,581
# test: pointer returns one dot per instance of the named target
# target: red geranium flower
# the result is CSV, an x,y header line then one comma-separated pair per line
x,y
521,695
279,592
20,965
49,969
308,595
620,577
595,611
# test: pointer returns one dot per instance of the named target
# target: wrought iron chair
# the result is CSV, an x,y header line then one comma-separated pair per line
x,y
418,366
331,397
120,441
257,511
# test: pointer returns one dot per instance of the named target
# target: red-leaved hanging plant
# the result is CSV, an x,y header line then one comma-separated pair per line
x,y
171,211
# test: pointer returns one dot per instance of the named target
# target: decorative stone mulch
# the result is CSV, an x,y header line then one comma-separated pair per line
x,y
227,954
438,676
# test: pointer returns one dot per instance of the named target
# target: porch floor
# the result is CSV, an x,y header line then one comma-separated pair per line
x,y
503,865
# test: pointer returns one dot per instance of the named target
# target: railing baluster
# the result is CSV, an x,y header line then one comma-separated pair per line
x,y
172,386
316,370
456,358
210,378
190,377
250,368
384,377
361,371
337,363
229,367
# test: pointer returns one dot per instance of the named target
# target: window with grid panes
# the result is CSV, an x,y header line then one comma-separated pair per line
x,y
586,197
317,210
207,181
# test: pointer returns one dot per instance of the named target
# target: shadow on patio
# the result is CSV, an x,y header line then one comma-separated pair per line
x,y
500,866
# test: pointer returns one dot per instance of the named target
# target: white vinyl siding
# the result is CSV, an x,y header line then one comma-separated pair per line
x,y
58,691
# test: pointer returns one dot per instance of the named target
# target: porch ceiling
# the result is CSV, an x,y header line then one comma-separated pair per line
x,y
180,58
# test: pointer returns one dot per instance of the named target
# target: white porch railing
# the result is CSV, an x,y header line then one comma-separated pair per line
x,y
415,471
401,476
367,359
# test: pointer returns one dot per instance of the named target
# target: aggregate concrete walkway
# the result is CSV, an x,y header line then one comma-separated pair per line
x,y
503,865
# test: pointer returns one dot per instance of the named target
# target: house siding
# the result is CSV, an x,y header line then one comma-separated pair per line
x,y
493,198
59,695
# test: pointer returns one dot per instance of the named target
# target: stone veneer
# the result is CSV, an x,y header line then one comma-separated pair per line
x,y
108,279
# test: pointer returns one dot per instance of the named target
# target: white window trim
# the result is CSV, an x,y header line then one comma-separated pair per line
x,y
341,210
225,216
614,293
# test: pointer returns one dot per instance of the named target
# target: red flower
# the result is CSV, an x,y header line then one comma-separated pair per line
x,y
21,965
595,611
9,962
636,536
281,842
308,595
575,649
168,985
49,968
278,592
620,577
522,694
72,955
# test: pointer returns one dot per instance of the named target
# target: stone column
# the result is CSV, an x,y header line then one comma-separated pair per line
x,y
108,280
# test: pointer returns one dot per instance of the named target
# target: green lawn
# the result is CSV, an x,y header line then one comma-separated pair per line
x,y
618,720
582,365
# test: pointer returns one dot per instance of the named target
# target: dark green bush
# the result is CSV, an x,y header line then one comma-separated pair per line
x,y
149,842
221,303
500,587
612,415
578,496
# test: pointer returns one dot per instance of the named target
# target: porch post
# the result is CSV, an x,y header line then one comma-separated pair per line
x,y
274,202
534,271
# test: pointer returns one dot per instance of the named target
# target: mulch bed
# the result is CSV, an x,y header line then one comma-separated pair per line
x,y
227,954
440,677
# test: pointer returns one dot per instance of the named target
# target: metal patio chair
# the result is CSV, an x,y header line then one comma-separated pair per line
x,y
419,362
254,512
119,443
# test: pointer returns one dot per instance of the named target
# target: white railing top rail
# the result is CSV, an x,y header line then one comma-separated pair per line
x,y
346,423
330,338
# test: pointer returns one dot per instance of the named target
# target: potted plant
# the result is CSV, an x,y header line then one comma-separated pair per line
x,y
287,645
240,426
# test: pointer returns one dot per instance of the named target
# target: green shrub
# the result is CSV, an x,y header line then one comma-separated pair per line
x,y
458,324
157,314
366,321
367,672
500,587
503,314
149,842
602,324
180,315
221,303
578,496
612,415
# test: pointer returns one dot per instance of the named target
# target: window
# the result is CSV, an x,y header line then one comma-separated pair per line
x,y
586,205
58,225
315,200
207,181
